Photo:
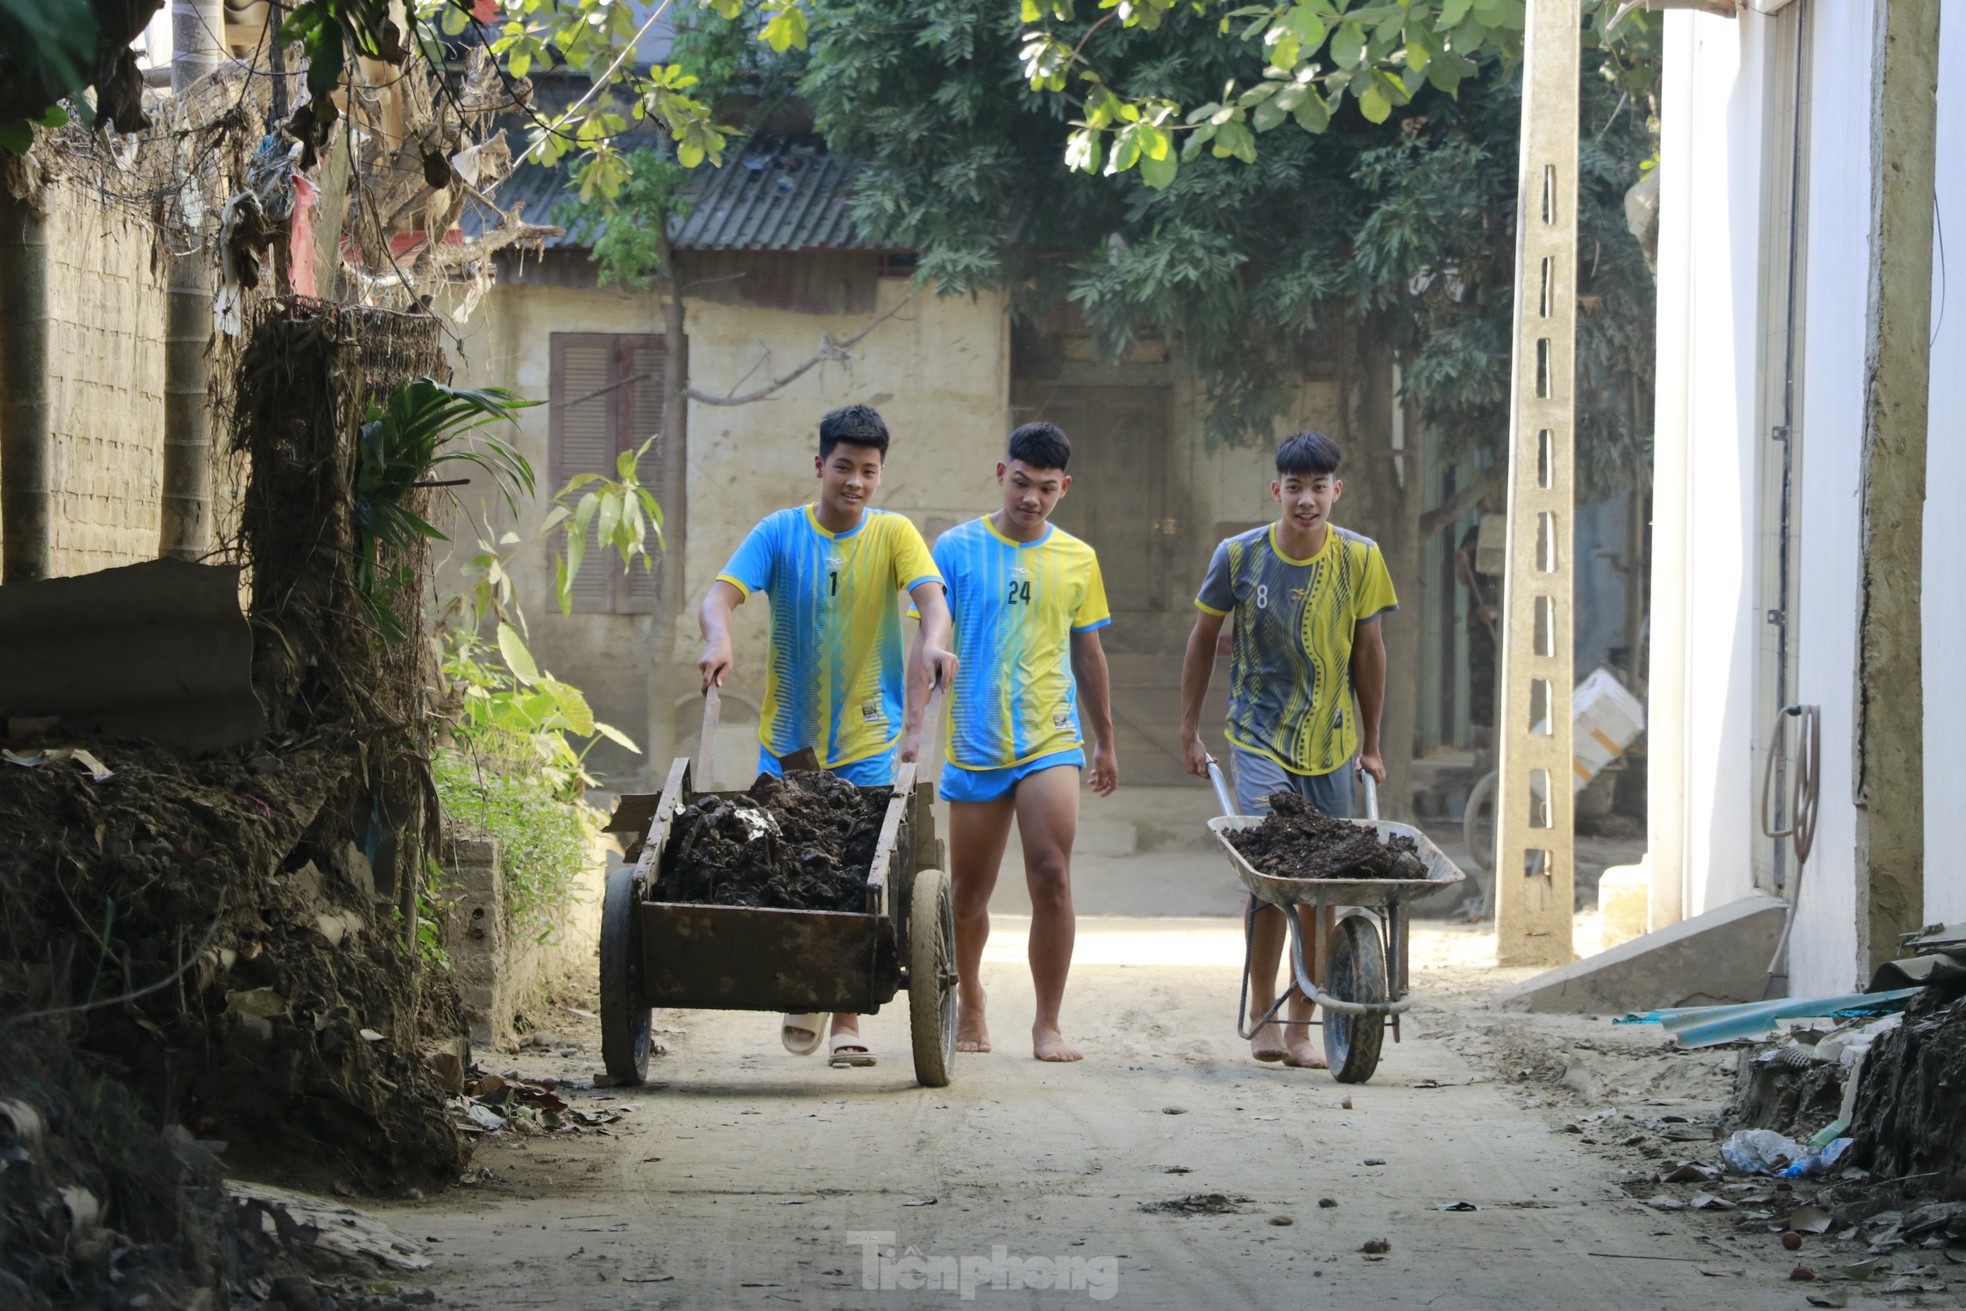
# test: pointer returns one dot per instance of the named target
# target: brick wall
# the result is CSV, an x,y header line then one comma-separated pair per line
x,y
106,383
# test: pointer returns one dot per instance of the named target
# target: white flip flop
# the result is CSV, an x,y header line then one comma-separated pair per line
x,y
849,1051
815,1029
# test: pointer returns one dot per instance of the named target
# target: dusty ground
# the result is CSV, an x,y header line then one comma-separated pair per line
x,y
745,1176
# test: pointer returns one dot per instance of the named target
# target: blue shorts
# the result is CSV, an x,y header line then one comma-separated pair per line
x,y
960,784
1257,776
875,771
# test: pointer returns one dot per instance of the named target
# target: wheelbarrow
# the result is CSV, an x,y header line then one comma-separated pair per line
x,y
1364,951
656,953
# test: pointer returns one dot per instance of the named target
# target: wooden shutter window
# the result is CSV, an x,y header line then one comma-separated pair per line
x,y
606,399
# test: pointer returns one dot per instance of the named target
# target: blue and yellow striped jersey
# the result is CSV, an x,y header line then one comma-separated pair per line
x,y
1290,660
837,674
1016,606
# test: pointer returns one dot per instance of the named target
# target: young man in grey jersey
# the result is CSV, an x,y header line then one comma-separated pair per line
x,y
1306,596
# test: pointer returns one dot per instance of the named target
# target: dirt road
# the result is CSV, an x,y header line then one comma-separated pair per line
x,y
744,1176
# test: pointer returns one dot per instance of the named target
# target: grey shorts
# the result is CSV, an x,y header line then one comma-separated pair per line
x,y
1256,776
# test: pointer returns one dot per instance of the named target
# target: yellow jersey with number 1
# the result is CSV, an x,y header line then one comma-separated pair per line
x,y
837,675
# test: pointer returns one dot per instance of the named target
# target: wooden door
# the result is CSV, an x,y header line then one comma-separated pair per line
x,y
1119,497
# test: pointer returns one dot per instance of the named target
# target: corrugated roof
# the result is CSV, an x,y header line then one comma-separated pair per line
x,y
775,193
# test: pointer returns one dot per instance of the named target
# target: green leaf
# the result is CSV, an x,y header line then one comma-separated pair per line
x,y
1348,47
785,29
1267,115
517,658
610,519
616,736
572,707
1373,104
1082,151
1158,173
1313,114
1307,26
1452,12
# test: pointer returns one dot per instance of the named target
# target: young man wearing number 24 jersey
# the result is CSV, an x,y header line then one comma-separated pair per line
x,y
1028,604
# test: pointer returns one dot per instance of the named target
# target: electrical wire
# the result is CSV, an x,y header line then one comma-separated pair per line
x,y
1803,798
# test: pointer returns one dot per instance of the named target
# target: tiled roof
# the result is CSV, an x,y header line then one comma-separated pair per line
x,y
774,193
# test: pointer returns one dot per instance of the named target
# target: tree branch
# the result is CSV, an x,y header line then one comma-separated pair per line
x,y
1491,483
830,349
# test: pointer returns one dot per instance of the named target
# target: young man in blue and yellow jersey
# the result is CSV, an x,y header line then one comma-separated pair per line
x,y
837,680
1306,596
1028,604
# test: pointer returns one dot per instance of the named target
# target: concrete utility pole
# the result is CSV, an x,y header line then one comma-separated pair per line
x,y
1535,803
1889,769
186,501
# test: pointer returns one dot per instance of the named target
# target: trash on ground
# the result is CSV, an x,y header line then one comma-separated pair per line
x,y
1375,1246
1690,1172
1198,1204
85,760
1760,1151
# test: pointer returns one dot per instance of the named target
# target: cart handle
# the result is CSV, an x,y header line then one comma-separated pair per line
x,y
1228,804
706,738
1222,796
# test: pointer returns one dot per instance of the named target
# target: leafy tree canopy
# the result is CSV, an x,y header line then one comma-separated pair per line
x,y
1403,228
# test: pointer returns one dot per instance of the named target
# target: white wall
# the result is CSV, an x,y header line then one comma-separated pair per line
x,y
1829,441
1705,611
1704,615
1945,480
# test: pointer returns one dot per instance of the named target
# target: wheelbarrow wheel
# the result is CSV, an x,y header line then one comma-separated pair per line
x,y
1356,972
932,978
625,1016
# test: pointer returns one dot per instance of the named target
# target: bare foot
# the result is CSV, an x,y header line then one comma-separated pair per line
x,y
972,1034
1267,1044
1301,1055
1050,1045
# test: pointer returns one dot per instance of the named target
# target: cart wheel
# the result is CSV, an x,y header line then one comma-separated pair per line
x,y
932,978
1356,972
1478,822
625,1017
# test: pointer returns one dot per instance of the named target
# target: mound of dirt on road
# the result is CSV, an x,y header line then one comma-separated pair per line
x,y
1297,841
801,842
1911,1118
202,932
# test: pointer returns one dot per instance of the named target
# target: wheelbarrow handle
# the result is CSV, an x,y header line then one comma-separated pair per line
x,y
1371,794
1223,797
706,738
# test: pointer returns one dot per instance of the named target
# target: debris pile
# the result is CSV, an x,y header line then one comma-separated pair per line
x,y
99,1209
202,928
493,1104
801,842
1297,841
